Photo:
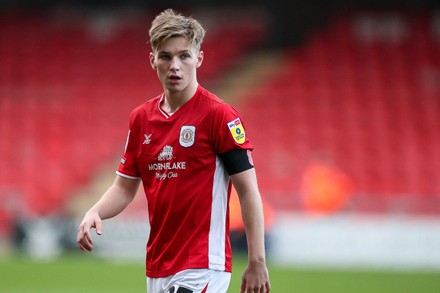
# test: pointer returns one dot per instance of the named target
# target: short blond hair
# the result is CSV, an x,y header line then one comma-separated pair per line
x,y
169,24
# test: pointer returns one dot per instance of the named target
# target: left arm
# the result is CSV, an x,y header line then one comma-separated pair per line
x,y
256,275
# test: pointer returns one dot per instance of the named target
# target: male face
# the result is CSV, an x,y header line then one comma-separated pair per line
x,y
176,63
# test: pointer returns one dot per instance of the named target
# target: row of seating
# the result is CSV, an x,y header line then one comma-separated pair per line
x,y
368,104
66,91
372,107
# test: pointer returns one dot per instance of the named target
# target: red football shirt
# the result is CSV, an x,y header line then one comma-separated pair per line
x,y
186,184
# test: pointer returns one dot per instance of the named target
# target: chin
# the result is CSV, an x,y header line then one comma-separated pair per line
x,y
175,88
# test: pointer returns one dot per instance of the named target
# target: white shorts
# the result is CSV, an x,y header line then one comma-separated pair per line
x,y
191,281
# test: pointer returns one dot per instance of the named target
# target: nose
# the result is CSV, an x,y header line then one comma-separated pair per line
x,y
175,64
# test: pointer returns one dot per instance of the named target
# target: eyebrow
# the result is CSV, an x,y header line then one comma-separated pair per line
x,y
180,52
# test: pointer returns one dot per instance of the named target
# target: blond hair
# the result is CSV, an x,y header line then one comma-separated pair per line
x,y
169,24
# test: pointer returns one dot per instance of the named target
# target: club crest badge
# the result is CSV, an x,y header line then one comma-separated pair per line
x,y
187,136
237,131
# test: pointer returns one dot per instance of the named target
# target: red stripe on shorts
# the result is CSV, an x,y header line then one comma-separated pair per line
x,y
204,290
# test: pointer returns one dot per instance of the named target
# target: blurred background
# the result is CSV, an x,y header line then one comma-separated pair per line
x,y
341,100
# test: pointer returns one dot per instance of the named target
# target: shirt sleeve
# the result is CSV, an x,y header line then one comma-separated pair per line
x,y
229,131
128,165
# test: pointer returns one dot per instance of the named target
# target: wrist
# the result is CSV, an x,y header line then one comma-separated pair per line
x,y
92,211
256,260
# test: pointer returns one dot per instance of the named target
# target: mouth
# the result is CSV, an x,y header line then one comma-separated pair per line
x,y
174,77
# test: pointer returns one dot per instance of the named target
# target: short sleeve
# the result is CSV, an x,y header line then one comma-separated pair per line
x,y
128,165
229,131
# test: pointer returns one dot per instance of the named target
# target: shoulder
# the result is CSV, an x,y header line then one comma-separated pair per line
x,y
209,97
146,107
214,103
144,110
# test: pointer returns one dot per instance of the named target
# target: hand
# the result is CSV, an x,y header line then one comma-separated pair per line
x,y
84,237
255,279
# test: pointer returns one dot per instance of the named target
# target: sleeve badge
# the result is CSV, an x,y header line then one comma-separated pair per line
x,y
237,131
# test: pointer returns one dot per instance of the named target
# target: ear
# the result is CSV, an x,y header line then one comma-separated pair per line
x,y
152,61
200,59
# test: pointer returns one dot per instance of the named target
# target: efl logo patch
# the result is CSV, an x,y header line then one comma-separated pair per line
x,y
237,131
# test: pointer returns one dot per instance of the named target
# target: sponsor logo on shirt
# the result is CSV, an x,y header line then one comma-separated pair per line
x,y
166,154
167,166
237,131
166,170
187,135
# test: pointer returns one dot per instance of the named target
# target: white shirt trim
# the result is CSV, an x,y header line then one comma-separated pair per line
x,y
164,113
126,176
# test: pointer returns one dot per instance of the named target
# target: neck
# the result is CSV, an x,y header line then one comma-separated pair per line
x,y
174,100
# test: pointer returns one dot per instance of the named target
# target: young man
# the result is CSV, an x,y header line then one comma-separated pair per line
x,y
186,146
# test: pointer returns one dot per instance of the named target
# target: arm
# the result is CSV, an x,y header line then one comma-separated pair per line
x,y
256,276
114,201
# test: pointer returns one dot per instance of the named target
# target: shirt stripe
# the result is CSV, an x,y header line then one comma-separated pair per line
x,y
217,231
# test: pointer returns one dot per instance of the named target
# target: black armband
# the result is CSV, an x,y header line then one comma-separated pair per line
x,y
237,161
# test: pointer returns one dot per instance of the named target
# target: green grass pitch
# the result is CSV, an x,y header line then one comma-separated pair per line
x,y
84,273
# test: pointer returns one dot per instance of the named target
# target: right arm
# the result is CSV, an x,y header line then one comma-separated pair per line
x,y
114,201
